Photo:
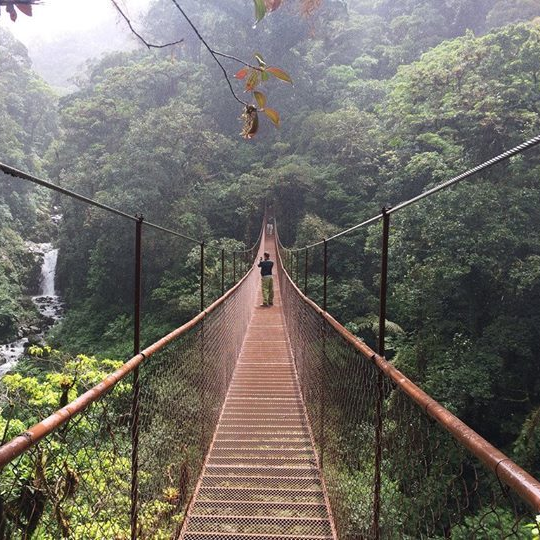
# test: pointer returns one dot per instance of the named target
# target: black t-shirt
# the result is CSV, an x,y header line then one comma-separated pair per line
x,y
266,267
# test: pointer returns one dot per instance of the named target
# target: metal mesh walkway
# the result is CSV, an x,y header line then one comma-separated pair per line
x,y
261,478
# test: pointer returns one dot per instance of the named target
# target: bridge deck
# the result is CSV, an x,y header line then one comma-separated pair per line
x,y
261,478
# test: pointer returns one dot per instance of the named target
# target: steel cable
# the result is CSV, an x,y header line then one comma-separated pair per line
x,y
520,148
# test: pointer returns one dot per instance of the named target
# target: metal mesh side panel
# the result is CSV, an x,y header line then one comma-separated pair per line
x,y
183,388
430,487
75,483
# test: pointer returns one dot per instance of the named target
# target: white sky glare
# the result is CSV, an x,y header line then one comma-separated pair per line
x,y
54,18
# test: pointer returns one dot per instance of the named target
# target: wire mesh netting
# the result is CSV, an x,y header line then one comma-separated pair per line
x,y
390,470
76,482
183,388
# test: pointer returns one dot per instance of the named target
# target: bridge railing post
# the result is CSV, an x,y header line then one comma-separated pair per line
x,y
306,272
380,381
135,403
325,275
384,281
222,272
202,276
322,389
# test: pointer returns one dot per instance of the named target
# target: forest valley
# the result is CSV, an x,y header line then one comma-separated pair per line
x,y
389,99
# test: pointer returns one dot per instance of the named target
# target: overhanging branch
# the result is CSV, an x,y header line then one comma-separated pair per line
x,y
147,43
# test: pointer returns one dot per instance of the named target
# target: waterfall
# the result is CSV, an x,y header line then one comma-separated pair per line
x,y
48,303
48,271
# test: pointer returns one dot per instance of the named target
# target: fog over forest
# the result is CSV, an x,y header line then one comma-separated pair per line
x,y
359,104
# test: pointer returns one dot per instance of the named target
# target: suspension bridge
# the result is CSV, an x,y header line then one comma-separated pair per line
x,y
253,422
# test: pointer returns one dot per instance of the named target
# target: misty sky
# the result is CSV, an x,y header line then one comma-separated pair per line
x,y
54,18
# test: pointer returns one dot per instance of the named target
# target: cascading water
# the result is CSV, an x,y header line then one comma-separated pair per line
x,y
47,302
48,270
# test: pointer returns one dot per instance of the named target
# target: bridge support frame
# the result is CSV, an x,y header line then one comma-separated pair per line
x,y
135,403
380,376
325,275
222,272
306,272
202,276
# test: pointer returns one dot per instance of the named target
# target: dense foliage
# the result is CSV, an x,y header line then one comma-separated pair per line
x,y
389,99
27,120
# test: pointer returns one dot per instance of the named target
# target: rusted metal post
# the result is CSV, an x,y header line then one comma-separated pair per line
x,y
322,390
305,272
325,276
222,272
234,267
135,403
380,397
384,280
202,276
322,395
202,386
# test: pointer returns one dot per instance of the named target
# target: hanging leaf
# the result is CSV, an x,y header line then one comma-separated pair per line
x,y
25,8
252,81
279,73
241,74
273,115
12,13
264,76
260,10
261,99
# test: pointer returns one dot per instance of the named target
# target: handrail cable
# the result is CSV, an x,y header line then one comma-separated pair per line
x,y
11,171
463,176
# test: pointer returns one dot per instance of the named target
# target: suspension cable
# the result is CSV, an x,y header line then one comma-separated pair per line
x,y
463,176
11,171
486,165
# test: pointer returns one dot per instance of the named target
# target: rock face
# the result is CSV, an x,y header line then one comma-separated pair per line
x,y
48,304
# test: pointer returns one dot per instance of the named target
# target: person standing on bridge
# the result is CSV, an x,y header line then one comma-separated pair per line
x,y
270,226
267,281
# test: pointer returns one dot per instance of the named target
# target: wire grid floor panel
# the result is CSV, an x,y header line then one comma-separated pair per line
x,y
260,508
261,477
235,536
255,524
257,494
